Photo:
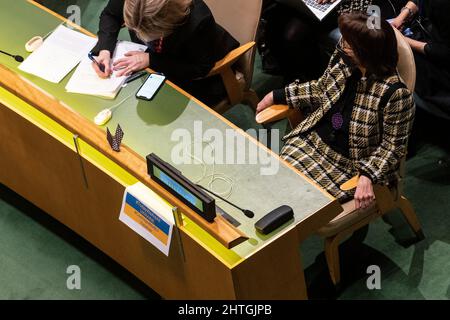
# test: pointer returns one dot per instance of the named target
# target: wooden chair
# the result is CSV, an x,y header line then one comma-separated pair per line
x,y
387,198
241,19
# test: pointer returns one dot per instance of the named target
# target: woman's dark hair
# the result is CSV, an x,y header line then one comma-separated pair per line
x,y
374,46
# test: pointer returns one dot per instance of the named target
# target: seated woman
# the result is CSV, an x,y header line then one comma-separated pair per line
x,y
430,41
358,115
184,42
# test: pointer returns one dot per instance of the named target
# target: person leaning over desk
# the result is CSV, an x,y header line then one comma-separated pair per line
x,y
346,132
184,42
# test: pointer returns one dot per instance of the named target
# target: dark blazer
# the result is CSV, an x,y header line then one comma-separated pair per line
x,y
187,54
436,13
433,67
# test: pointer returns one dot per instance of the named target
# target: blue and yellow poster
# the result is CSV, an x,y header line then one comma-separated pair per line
x,y
148,215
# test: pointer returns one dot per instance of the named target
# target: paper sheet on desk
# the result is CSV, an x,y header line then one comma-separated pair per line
x,y
58,55
86,81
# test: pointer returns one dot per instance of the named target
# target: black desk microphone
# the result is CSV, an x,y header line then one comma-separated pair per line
x,y
17,58
247,213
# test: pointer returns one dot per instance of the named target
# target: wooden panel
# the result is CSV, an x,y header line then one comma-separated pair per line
x,y
275,272
47,173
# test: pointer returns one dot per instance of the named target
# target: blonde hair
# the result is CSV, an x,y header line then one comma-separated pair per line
x,y
152,19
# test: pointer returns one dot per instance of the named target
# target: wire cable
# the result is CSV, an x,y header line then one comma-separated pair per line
x,y
214,176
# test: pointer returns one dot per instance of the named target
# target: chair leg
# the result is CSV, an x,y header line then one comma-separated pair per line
x,y
410,216
332,256
251,99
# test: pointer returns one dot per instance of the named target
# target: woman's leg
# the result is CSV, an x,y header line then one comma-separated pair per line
x,y
311,156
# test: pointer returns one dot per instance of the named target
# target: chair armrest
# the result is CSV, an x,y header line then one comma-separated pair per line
x,y
350,184
273,113
230,59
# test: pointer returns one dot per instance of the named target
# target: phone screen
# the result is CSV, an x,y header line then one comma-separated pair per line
x,y
151,86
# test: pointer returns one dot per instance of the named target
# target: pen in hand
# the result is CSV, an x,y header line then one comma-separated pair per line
x,y
100,66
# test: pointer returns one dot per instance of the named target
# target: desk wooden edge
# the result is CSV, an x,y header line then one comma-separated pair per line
x,y
221,230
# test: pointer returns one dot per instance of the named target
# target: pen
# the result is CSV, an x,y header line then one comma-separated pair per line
x,y
135,76
100,66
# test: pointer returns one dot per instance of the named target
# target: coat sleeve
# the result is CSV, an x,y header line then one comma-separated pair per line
x,y
111,21
312,95
398,118
438,53
198,55
305,95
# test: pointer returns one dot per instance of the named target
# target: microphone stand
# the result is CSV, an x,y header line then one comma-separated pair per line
x,y
17,58
247,213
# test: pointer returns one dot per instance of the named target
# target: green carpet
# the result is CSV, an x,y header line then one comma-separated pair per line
x,y
35,250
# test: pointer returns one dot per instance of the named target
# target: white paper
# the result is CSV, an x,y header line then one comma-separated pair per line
x,y
86,81
154,206
58,55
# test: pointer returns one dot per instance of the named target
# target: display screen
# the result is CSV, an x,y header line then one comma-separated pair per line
x,y
178,188
151,86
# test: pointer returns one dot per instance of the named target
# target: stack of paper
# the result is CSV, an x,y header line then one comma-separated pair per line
x,y
86,81
58,55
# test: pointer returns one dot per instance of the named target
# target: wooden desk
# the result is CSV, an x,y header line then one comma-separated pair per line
x,y
38,120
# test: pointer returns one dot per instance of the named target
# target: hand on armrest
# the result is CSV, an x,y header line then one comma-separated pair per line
x,y
381,193
364,194
350,184
267,111
273,113
265,103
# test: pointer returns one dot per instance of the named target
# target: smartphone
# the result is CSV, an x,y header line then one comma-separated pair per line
x,y
151,86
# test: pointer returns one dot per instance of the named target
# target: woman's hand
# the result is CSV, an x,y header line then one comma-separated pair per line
x,y
265,103
133,61
408,11
399,22
364,195
104,58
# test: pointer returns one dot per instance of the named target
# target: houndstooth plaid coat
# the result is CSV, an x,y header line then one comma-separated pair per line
x,y
375,148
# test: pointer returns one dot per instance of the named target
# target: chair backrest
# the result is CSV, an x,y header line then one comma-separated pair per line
x,y
407,70
406,64
241,19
